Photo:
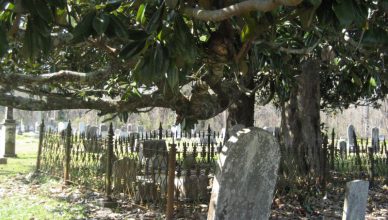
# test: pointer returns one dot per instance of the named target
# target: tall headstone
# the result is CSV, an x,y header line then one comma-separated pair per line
x,y
350,138
375,139
82,128
246,176
103,130
342,148
9,134
356,196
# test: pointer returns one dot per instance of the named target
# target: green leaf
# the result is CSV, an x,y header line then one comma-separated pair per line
x,y
118,27
348,11
372,82
173,78
156,20
84,28
29,49
344,10
3,41
140,16
375,37
100,23
137,35
43,10
132,49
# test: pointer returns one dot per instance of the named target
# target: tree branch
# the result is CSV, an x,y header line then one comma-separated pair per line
x,y
61,76
237,9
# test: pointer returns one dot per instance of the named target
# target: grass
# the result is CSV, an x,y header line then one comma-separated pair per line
x,y
24,200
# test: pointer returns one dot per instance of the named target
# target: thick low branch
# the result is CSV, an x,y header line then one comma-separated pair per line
x,y
237,9
15,79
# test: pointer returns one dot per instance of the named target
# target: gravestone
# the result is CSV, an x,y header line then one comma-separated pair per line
x,y
8,134
62,126
129,127
103,131
3,160
245,180
375,139
82,128
124,174
154,154
350,138
91,132
124,132
342,148
356,197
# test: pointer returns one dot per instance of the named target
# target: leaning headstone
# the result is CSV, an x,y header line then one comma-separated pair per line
x,y
356,197
375,139
350,138
245,180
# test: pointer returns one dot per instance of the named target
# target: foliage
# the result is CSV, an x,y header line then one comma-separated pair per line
x,y
147,51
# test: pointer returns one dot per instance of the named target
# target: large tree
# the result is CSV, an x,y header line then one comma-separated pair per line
x,y
197,58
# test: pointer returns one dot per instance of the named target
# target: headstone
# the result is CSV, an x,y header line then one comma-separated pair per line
x,y
140,129
124,132
350,138
103,131
8,134
62,126
356,197
150,148
342,148
3,160
245,180
91,132
124,174
129,127
82,128
375,139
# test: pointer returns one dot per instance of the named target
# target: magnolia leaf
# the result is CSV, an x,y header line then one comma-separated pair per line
x,y
344,10
84,28
43,10
132,49
118,27
100,23
140,16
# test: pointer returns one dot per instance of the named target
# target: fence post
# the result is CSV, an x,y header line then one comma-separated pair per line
x,y
332,149
208,143
160,131
109,157
371,170
171,180
41,135
66,173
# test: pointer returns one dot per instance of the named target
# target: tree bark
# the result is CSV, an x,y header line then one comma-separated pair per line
x,y
300,125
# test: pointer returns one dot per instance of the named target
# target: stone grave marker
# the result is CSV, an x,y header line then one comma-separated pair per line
x,y
124,174
82,128
342,148
103,130
356,196
8,134
124,132
91,132
350,138
62,126
375,139
245,180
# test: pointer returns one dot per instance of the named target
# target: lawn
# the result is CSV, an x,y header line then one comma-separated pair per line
x,y
23,197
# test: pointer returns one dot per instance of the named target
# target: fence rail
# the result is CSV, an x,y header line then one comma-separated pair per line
x,y
137,166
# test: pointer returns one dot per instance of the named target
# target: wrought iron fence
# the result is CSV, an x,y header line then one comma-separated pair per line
x,y
139,163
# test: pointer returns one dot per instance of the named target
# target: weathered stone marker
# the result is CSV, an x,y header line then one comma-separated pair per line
x,y
350,138
356,197
342,149
246,176
9,134
375,139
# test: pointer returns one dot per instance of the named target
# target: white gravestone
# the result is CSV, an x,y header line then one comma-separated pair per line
x,y
356,197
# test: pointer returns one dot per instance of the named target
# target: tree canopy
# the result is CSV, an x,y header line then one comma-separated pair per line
x,y
194,57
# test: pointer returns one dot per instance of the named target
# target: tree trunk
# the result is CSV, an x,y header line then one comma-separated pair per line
x,y
300,125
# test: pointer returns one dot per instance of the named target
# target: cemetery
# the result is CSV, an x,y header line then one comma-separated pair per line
x,y
191,109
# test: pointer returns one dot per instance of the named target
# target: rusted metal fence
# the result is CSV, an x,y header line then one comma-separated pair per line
x,y
136,166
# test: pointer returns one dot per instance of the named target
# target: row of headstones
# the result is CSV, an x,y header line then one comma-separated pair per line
x,y
91,131
350,143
